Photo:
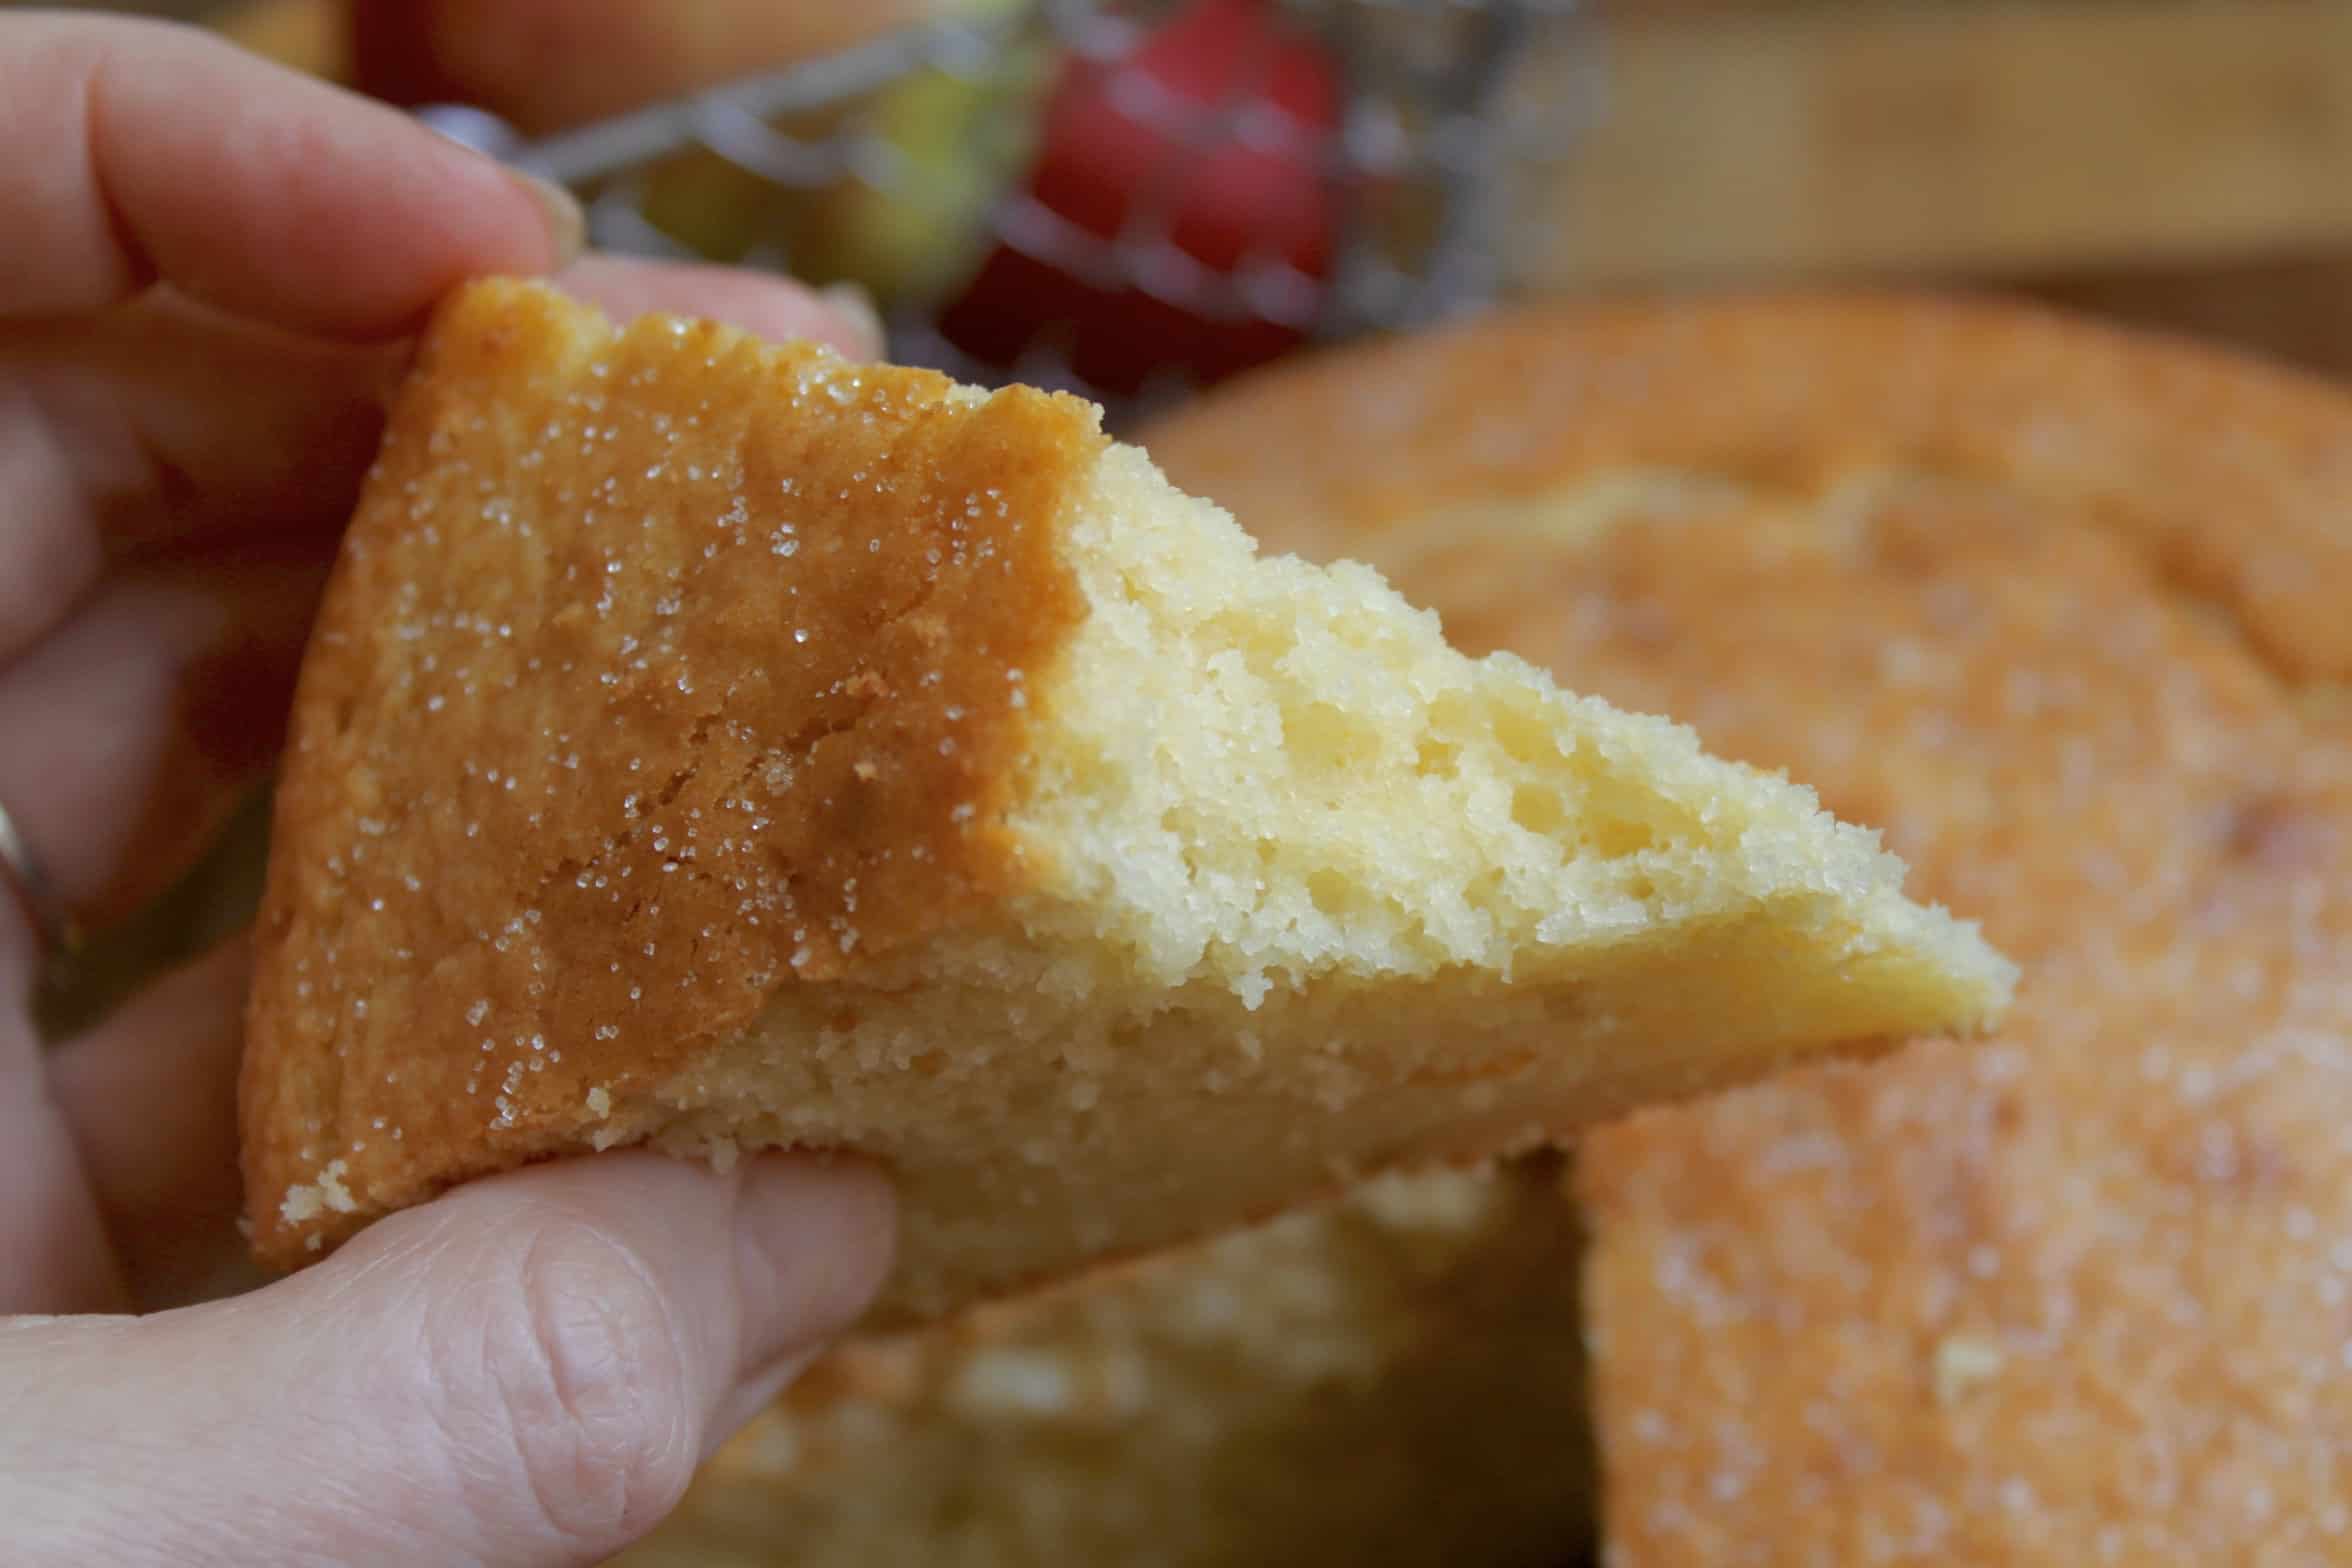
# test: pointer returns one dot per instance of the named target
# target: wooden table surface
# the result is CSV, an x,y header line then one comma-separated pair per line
x,y
1999,138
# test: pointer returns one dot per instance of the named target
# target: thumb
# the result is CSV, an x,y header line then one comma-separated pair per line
x,y
523,1372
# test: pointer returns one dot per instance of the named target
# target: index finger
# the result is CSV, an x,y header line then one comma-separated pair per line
x,y
142,151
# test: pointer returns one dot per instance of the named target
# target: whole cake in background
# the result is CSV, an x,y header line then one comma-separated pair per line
x,y
2063,611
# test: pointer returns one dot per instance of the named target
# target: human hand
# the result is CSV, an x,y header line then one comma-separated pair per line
x,y
209,272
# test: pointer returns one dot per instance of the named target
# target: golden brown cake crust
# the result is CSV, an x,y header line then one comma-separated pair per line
x,y
621,761
2065,612
1783,394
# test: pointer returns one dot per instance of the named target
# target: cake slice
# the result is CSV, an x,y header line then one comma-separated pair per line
x,y
1393,1378
720,745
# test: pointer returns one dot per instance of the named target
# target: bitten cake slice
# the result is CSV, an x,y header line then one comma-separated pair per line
x,y
721,745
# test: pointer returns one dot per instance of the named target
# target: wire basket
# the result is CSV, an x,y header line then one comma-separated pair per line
x,y
1123,200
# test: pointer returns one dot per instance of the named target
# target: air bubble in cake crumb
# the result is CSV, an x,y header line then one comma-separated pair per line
x,y
1963,1362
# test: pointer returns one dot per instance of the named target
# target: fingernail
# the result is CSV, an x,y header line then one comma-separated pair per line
x,y
753,1394
860,316
813,1242
567,226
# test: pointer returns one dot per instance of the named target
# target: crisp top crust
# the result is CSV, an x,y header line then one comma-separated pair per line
x,y
694,751
2064,611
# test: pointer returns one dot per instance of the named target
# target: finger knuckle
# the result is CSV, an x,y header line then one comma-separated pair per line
x,y
583,1390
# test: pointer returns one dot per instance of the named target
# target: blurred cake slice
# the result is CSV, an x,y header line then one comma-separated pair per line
x,y
1383,1378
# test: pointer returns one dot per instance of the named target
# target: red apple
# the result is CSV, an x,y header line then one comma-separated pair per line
x,y
1122,164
